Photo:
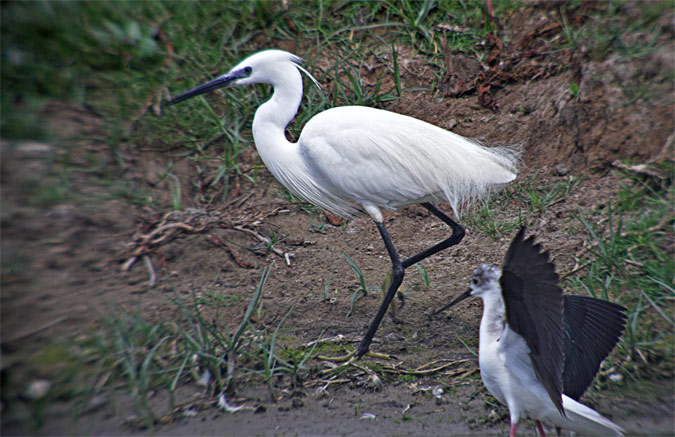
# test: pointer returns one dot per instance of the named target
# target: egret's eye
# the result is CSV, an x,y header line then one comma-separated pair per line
x,y
474,281
248,71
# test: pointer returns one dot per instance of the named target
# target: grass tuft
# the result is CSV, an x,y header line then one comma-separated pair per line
x,y
197,348
362,290
630,261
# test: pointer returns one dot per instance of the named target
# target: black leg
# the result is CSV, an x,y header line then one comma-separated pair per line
x,y
397,272
455,238
398,269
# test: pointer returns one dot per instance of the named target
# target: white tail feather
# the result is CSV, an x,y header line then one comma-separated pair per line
x,y
583,419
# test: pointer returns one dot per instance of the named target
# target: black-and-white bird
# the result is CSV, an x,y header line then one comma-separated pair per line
x,y
539,350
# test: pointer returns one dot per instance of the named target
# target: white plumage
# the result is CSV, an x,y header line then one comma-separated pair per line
x,y
351,159
384,160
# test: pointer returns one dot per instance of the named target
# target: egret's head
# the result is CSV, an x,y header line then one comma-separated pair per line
x,y
267,66
484,280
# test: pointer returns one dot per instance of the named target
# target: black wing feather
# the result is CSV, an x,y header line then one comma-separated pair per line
x,y
534,310
592,328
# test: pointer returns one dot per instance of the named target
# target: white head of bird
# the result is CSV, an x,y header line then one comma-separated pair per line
x,y
485,281
355,159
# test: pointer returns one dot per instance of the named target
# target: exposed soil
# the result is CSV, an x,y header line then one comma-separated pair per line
x,y
66,259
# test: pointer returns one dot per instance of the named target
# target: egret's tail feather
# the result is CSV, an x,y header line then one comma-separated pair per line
x,y
583,419
509,156
493,167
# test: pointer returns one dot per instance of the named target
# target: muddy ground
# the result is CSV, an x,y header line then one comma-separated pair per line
x,y
67,261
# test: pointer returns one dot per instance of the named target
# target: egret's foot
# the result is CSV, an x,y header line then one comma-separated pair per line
x,y
380,356
399,293
350,360
351,357
338,359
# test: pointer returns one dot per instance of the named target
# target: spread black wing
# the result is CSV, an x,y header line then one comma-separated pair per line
x,y
592,328
534,310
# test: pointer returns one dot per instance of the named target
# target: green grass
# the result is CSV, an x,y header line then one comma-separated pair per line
x,y
505,212
423,273
631,262
607,29
118,57
490,222
306,207
146,355
137,344
63,365
362,290
49,192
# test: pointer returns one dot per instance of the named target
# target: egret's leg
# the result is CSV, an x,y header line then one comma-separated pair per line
x,y
398,268
512,433
397,272
455,238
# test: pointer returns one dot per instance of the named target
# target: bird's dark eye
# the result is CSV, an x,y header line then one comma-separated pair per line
x,y
248,71
474,281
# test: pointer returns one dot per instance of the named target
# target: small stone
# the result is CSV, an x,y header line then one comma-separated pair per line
x,y
204,379
190,412
34,147
615,377
38,389
374,381
561,170
223,404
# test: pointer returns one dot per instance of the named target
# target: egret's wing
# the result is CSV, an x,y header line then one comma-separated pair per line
x,y
390,160
592,327
534,309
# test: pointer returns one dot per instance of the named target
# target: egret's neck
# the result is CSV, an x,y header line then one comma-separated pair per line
x,y
281,157
273,116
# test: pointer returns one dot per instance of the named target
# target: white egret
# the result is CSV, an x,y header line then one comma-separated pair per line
x,y
352,159
539,350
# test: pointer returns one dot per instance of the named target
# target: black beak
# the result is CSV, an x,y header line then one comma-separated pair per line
x,y
220,82
456,300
